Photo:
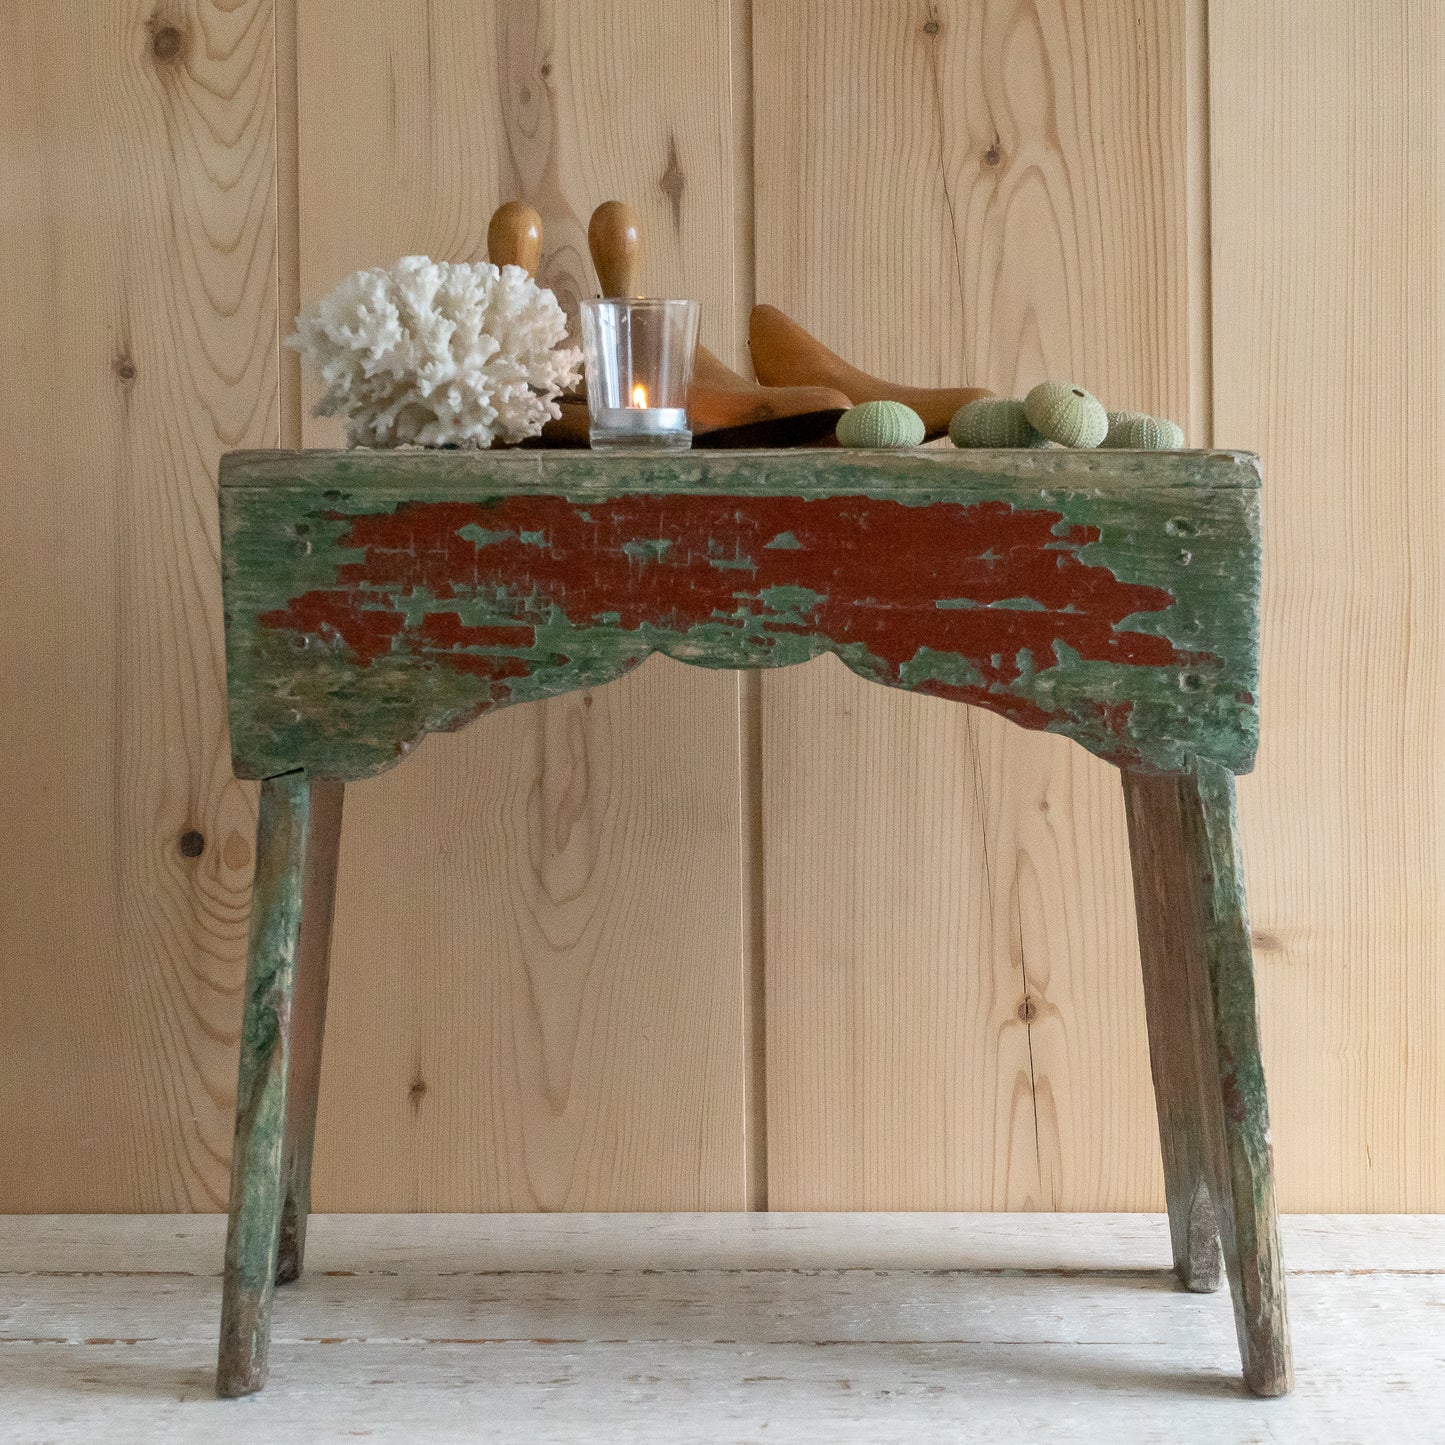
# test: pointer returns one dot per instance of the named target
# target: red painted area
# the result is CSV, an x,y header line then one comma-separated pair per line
x,y
366,627
490,665
447,630
881,568
1234,1106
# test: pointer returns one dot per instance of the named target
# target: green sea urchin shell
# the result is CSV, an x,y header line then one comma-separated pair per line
x,y
1118,420
1066,414
1153,434
880,424
993,421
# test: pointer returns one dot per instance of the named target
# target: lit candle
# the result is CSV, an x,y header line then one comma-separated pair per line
x,y
639,364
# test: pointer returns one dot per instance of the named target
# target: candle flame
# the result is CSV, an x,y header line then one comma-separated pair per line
x,y
639,395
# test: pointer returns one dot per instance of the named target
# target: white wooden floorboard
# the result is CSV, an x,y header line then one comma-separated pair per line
x,y
674,1328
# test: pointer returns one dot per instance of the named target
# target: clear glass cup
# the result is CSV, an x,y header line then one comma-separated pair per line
x,y
639,353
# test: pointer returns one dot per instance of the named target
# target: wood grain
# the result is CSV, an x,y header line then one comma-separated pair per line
x,y
844,1327
260,1168
987,194
954,1007
1204,1040
138,242
538,961
1328,193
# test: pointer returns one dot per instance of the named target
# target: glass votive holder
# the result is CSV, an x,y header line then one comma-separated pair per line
x,y
638,353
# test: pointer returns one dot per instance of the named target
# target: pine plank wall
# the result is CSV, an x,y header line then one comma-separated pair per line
x,y
695,941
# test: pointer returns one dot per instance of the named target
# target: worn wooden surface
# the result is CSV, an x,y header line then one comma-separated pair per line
x,y
259,1173
374,598
1204,1037
1159,880
308,1021
674,1328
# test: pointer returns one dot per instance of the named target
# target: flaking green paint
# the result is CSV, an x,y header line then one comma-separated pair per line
x,y
306,703
257,1177
1185,523
1205,1052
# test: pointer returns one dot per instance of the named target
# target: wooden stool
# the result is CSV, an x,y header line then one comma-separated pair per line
x,y
374,597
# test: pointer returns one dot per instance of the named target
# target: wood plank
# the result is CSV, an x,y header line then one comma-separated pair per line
x,y
661,1394
730,1327
994,193
138,243
371,600
538,994
1328,197
98,1245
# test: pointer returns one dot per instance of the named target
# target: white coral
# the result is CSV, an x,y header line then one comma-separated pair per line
x,y
437,353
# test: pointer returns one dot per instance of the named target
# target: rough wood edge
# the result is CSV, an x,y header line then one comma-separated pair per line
x,y
253,1232
836,468
303,1074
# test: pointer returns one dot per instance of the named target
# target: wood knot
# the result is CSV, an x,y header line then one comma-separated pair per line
x,y
993,156
672,182
1028,1011
236,852
932,27
191,843
416,1094
124,367
167,41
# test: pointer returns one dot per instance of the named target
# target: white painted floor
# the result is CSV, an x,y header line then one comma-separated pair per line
x,y
675,1328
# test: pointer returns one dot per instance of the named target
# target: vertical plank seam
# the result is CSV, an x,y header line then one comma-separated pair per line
x,y
750,684
1199,226
740,89
288,215
754,881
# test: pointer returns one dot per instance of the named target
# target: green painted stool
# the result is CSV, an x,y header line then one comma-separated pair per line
x,y
374,597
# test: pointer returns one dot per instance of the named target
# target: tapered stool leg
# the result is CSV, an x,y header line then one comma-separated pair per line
x,y
308,1023
1204,1047
1169,1012
257,1174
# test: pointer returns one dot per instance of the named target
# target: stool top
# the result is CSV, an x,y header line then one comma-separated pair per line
x,y
792,471
373,597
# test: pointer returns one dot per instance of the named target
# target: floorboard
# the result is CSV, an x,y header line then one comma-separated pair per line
x,y
672,1328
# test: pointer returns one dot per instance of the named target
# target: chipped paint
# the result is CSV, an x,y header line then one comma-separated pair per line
x,y
375,597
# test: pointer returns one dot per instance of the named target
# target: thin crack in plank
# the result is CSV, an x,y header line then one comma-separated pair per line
x,y
1028,1016
933,28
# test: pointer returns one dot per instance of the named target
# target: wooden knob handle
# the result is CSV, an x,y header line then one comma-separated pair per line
x,y
614,238
514,237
